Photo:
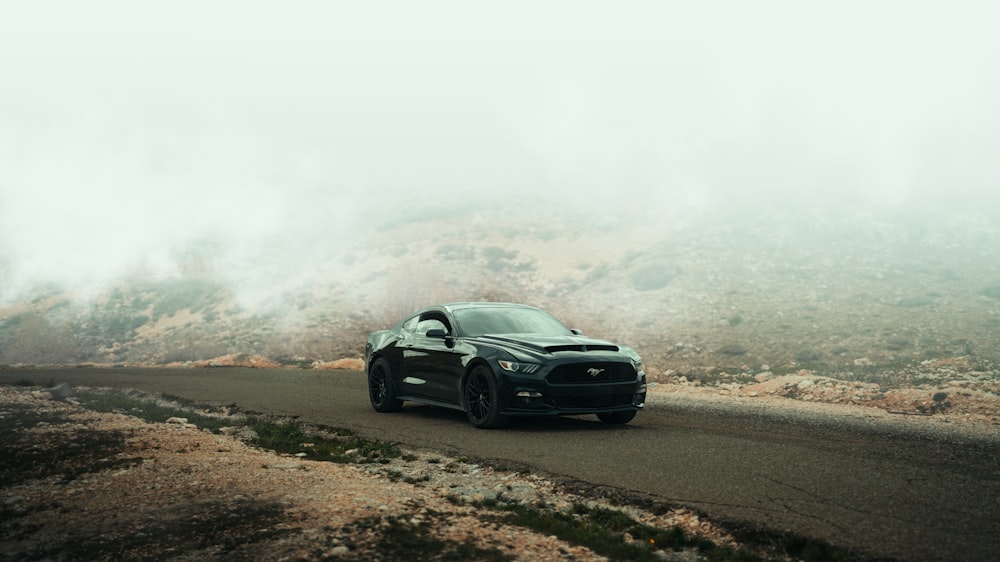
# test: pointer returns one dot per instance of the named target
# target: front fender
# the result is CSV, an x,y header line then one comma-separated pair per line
x,y
472,365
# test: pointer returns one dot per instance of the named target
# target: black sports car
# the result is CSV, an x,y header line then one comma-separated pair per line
x,y
494,360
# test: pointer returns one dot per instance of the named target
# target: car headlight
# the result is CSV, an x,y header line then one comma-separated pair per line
x,y
637,363
516,367
634,358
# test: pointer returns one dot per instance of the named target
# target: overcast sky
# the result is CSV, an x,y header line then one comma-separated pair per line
x,y
129,128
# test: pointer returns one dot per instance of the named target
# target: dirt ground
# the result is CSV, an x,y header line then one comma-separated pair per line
x,y
86,485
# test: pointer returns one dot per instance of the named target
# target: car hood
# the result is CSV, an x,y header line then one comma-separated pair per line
x,y
546,345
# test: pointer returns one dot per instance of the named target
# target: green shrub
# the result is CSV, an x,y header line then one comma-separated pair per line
x,y
343,446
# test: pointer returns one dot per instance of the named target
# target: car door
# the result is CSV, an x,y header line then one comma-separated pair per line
x,y
433,367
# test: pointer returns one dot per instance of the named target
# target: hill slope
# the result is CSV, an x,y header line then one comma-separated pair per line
x,y
843,294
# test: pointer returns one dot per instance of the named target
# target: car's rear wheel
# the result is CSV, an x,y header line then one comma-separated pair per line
x,y
380,390
482,401
618,418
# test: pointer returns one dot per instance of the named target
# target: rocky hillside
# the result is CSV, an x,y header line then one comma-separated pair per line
x,y
844,294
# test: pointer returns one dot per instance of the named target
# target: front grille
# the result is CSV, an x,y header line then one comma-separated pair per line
x,y
590,373
605,401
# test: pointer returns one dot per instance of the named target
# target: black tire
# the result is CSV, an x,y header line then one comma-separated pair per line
x,y
380,390
482,401
618,418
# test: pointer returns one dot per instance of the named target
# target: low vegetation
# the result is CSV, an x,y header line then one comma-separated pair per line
x,y
281,435
148,408
617,535
607,532
336,445
404,538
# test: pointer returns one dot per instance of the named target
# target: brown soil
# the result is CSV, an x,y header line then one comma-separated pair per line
x,y
110,486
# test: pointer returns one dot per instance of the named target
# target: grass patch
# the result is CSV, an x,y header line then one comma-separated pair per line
x,y
148,409
796,547
618,536
614,534
400,538
281,435
337,445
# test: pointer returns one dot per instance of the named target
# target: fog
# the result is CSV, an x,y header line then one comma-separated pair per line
x,y
279,132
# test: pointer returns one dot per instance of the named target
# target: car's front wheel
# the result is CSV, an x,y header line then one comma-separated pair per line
x,y
482,400
380,390
618,418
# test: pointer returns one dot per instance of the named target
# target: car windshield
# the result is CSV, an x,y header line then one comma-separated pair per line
x,y
504,320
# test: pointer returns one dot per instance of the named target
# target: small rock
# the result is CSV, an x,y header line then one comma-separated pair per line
x,y
732,349
61,393
763,377
178,421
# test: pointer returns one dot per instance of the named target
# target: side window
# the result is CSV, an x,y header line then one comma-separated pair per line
x,y
433,321
411,324
430,324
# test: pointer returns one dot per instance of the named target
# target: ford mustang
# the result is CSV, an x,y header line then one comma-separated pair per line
x,y
496,360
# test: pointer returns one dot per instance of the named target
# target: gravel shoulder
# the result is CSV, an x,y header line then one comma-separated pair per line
x,y
90,485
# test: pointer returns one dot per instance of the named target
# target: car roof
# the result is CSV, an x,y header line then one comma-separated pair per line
x,y
453,306
460,305
450,308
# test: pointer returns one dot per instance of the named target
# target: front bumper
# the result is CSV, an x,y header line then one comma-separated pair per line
x,y
526,395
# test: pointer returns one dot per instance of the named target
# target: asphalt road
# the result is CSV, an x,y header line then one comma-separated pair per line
x,y
891,492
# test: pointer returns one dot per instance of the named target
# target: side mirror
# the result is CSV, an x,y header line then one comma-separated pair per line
x,y
577,332
439,333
